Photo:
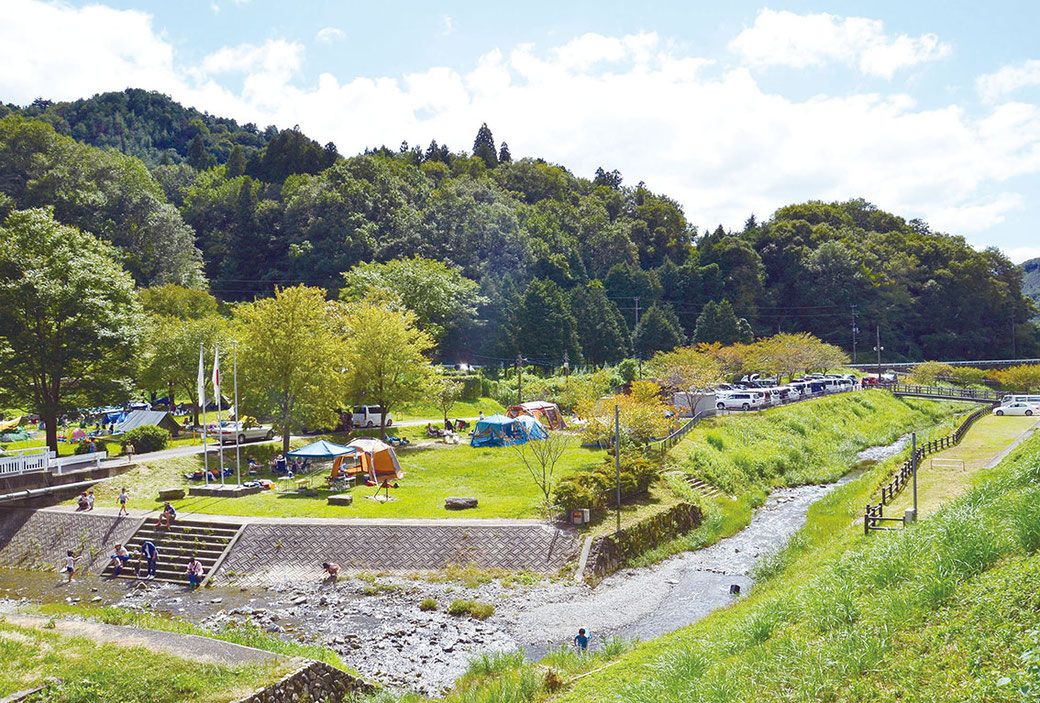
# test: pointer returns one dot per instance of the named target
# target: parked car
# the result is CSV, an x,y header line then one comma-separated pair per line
x,y
1017,409
370,416
740,401
245,430
1031,399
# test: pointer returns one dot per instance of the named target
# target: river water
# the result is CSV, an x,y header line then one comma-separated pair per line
x,y
383,634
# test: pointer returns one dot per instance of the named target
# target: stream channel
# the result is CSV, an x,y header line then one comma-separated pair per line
x,y
379,629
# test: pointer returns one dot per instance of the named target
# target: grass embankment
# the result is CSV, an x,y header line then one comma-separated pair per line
x,y
749,455
91,671
433,472
948,609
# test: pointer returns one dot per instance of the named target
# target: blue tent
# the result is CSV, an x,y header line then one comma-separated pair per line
x,y
502,431
321,450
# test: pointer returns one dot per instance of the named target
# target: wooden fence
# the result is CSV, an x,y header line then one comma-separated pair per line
x,y
875,514
946,392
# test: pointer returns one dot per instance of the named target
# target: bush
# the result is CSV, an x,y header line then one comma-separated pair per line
x,y
594,489
146,438
472,608
427,605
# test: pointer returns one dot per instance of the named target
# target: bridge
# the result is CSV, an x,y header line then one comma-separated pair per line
x,y
972,395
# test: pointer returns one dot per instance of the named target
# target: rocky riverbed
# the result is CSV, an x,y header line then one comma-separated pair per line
x,y
378,627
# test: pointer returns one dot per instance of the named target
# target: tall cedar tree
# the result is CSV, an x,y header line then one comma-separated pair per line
x,y
658,330
718,323
70,319
484,146
504,157
543,325
601,330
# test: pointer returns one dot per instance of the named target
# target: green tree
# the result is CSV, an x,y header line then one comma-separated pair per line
x,y
198,157
292,352
543,326
658,330
504,157
171,363
601,329
236,163
446,391
69,319
718,323
442,298
172,300
484,147
386,358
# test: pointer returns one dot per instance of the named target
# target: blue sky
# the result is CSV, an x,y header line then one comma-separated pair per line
x,y
927,109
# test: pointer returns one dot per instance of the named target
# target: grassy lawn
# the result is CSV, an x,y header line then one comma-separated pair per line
x,y
423,411
432,472
939,484
92,671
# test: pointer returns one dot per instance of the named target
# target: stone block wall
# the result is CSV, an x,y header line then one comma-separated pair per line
x,y
313,682
38,539
610,552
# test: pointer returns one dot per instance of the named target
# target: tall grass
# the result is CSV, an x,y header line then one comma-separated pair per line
x,y
932,612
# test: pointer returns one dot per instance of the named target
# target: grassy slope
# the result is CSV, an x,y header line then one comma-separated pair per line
x,y
105,672
935,612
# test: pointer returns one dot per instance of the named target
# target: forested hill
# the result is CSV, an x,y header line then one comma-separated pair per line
x,y
1031,279
540,261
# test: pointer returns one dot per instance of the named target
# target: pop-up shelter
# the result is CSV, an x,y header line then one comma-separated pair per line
x,y
502,431
377,459
321,450
545,412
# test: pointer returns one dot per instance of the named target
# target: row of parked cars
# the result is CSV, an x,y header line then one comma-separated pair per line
x,y
1018,405
754,393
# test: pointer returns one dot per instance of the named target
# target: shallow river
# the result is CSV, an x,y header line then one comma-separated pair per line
x,y
387,637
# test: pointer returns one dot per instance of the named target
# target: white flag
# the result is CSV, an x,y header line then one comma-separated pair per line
x,y
202,380
216,372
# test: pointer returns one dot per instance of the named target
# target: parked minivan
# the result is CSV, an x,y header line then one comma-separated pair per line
x,y
1031,399
739,401
370,416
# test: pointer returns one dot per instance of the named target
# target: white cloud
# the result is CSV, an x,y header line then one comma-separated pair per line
x,y
709,136
329,35
994,86
787,39
445,25
1021,254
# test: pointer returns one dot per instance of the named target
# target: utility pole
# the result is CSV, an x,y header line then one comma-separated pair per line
x,y
854,331
878,348
639,356
913,462
1014,345
617,461
519,378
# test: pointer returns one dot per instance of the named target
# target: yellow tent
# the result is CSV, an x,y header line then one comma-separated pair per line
x,y
6,425
378,459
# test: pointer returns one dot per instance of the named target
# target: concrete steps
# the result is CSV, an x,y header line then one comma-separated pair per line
x,y
206,540
705,489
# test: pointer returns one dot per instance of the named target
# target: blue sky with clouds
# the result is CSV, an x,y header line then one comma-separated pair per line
x,y
928,109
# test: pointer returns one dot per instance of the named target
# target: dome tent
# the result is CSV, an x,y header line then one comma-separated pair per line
x,y
502,431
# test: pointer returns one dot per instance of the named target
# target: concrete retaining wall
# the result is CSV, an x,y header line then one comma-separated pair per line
x,y
270,552
315,681
38,539
610,552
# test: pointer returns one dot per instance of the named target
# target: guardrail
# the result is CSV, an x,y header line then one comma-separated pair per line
x,y
875,514
945,392
47,461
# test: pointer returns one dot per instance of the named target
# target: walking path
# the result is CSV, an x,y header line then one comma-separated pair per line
x,y
988,441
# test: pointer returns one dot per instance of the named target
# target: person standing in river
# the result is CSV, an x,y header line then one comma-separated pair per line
x,y
151,555
581,640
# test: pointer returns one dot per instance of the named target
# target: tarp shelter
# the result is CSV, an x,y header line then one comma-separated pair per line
x,y
502,431
321,450
546,413
378,459
6,425
159,418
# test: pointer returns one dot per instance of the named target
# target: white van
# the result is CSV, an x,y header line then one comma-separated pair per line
x,y
370,416
1031,399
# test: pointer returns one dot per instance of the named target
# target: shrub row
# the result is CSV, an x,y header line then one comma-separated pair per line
x,y
596,488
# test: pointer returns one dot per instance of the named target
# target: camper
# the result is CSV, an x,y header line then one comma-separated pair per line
x,y
370,416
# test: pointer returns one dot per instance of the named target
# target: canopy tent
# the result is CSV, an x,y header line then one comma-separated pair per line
x,y
501,431
159,418
378,459
546,413
321,450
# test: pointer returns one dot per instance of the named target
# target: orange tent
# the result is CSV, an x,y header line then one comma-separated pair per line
x,y
546,413
377,459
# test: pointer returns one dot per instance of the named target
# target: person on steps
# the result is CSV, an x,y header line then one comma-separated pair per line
x,y
151,555
168,514
194,570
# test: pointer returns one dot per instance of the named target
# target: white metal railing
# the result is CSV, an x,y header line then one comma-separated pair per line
x,y
47,461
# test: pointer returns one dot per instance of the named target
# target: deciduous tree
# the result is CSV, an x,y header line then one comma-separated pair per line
x,y
69,319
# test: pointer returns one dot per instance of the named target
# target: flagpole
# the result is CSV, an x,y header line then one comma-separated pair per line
x,y
202,409
220,425
238,412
